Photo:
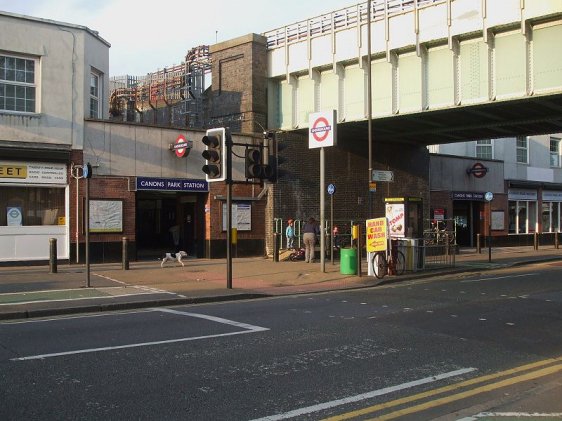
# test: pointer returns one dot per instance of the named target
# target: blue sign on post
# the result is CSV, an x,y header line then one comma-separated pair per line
x,y
331,189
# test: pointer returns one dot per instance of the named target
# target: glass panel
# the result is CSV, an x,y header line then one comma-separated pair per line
x,y
522,217
532,226
39,205
555,217
512,217
546,217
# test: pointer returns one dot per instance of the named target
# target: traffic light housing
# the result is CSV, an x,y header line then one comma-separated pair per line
x,y
215,155
255,167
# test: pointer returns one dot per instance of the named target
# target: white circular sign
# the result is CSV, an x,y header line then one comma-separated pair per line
x,y
489,196
331,189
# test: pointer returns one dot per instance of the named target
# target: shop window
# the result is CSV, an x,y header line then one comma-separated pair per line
x,y
554,152
31,206
522,217
18,86
546,213
484,149
551,217
522,150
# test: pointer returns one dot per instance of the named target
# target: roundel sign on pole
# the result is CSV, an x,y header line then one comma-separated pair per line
x,y
322,129
182,146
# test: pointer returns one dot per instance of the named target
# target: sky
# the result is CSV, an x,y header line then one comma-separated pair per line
x,y
149,35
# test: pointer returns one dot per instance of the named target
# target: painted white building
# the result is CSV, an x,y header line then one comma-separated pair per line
x,y
532,174
53,75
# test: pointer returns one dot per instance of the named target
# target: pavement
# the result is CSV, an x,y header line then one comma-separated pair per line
x,y
32,291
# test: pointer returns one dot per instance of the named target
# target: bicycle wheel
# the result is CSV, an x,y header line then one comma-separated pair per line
x,y
399,263
380,265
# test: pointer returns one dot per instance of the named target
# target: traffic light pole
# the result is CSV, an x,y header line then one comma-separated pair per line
x,y
228,146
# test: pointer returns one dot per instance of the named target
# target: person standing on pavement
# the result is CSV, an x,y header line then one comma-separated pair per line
x,y
310,231
290,234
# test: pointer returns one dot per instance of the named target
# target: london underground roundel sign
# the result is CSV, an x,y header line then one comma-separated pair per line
x,y
322,129
182,146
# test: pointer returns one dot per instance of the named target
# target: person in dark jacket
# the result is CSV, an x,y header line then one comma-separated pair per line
x,y
310,231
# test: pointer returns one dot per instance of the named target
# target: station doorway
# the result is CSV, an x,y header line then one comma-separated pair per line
x,y
169,222
467,213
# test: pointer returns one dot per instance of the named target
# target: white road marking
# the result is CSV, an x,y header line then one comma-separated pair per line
x,y
511,415
248,329
364,396
497,277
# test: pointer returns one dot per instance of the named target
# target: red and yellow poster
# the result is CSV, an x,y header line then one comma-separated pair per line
x,y
376,234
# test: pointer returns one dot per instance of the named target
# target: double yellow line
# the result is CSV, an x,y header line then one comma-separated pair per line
x,y
534,371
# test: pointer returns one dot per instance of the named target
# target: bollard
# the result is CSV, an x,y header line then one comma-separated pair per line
x,y
478,248
536,240
52,255
556,241
125,254
276,247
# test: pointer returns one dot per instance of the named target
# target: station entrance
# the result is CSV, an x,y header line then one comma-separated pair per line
x,y
169,222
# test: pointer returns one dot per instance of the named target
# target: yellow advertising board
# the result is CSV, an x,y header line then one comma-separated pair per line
x,y
376,234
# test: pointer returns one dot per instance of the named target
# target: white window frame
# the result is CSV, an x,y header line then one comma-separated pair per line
x,y
554,154
20,85
95,95
519,148
479,146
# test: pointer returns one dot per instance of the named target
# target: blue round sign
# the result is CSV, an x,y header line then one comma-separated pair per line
x,y
331,189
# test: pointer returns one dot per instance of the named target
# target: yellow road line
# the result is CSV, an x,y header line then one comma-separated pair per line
x,y
463,395
449,388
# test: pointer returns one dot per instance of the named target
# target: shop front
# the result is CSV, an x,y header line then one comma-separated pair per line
x,y
33,209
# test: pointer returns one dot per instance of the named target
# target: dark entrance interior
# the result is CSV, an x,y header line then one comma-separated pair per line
x,y
169,222
467,215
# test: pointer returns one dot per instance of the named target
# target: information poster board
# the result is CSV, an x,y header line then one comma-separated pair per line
x,y
106,216
241,216
498,218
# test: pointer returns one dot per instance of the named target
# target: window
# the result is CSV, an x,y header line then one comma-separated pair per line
x,y
554,152
37,205
522,216
17,84
94,95
551,216
522,150
484,149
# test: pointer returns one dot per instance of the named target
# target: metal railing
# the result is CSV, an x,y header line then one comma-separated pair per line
x,y
337,20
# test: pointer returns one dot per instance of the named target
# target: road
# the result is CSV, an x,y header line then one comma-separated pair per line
x,y
454,347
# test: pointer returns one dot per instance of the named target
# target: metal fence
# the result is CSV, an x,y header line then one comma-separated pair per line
x,y
420,256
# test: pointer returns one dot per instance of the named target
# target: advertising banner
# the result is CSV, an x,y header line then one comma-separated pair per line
x,y
376,234
396,219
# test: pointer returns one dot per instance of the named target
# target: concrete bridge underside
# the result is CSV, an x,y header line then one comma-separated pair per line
x,y
442,71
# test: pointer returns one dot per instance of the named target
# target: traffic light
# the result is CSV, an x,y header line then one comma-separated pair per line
x,y
215,155
255,167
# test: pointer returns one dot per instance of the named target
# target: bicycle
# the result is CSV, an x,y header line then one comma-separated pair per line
x,y
438,234
394,263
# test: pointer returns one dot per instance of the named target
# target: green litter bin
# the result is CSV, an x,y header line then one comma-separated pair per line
x,y
348,261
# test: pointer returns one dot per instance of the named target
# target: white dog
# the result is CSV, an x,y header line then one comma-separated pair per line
x,y
174,256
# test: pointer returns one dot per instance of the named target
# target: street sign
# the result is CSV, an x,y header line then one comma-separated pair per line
x,y
331,189
489,196
322,129
378,175
372,186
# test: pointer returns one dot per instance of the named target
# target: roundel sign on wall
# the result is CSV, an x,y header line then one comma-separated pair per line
x,y
182,147
322,129
478,170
